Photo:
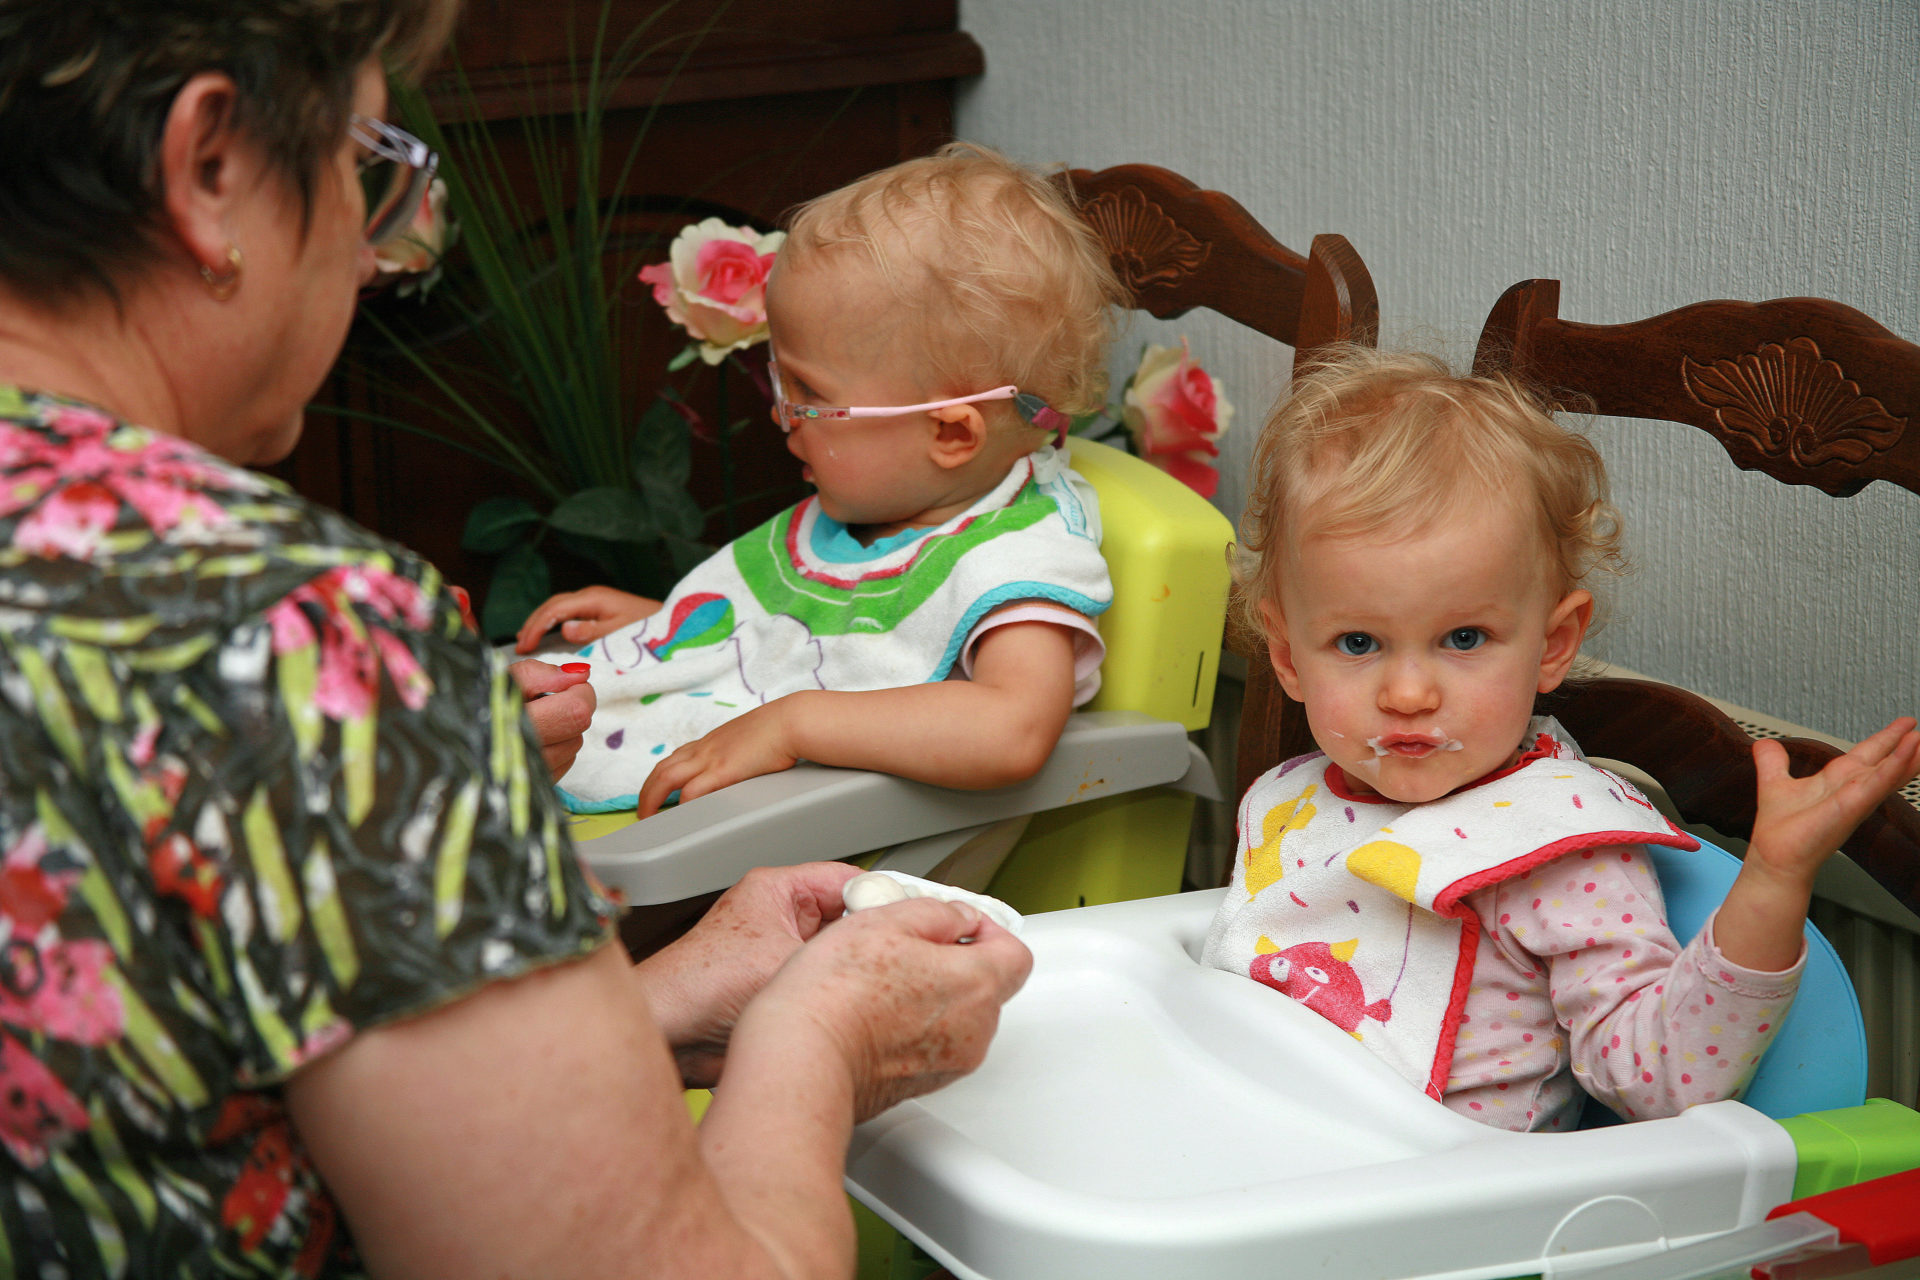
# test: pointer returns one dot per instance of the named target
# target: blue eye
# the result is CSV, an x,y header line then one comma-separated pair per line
x,y
1356,644
1465,638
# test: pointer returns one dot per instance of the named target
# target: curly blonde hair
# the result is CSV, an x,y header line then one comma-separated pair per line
x,y
1371,440
1003,278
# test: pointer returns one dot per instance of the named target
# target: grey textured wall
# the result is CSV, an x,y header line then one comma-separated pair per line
x,y
1649,153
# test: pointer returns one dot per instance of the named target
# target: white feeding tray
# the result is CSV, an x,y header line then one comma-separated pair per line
x,y
1140,1117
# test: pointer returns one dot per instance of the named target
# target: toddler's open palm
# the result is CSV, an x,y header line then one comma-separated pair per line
x,y
1800,821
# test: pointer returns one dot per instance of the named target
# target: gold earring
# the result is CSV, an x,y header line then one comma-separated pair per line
x,y
222,287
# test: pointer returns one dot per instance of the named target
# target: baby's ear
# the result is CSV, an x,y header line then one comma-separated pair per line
x,y
1280,649
959,432
1566,628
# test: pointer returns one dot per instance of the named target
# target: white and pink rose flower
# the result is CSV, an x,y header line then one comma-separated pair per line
x,y
1176,414
715,285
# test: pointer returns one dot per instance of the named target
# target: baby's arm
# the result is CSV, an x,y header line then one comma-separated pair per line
x,y
1798,825
1695,1036
989,731
1652,1027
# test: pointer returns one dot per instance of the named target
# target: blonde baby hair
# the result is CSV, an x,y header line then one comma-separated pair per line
x,y
1369,441
1007,282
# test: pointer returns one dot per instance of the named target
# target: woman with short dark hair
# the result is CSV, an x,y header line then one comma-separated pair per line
x,y
299,974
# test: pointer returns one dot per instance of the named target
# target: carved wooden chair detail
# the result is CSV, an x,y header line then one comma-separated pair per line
x,y
1177,247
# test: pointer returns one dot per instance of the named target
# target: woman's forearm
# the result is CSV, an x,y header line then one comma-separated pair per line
x,y
775,1140
429,1132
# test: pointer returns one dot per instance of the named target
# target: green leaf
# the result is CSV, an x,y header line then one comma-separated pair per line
x,y
497,524
521,581
686,554
616,514
674,510
687,355
662,447
600,553
642,567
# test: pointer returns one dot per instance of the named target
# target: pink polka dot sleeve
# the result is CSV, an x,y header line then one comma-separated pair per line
x,y
1579,979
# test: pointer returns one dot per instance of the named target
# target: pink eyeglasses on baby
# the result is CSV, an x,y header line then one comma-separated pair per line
x,y
790,415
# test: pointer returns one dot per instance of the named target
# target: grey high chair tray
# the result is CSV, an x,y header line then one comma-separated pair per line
x,y
812,812
1140,1117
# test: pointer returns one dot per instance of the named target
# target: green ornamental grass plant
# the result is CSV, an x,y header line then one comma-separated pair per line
x,y
533,372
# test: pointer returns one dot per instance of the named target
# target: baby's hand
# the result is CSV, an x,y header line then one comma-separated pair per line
x,y
583,615
754,744
1800,821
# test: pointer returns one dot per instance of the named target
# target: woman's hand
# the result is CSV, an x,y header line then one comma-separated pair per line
x,y
698,985
430,1157
560,720
583,615
891,992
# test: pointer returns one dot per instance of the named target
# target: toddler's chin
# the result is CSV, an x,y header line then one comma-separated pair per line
x,y
1420,793
1403,782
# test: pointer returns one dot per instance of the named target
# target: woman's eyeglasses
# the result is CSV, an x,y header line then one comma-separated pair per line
x,y
790,415
394,178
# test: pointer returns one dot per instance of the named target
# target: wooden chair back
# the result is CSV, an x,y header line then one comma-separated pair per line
x,y
1176,247
1807,391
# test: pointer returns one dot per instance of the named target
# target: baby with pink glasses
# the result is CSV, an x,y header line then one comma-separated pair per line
x,y
927,611
1447,879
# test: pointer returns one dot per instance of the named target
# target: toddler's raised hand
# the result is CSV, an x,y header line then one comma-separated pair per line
x,y
755,743
1797,825
583,615
1800,821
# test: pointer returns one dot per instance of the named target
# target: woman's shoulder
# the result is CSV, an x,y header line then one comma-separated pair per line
x,y
101,515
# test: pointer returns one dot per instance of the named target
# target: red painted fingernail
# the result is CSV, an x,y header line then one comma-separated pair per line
x,y
580,668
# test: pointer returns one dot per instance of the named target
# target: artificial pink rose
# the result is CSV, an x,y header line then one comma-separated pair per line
x,y
425,241
1191,470
1176,413
715,285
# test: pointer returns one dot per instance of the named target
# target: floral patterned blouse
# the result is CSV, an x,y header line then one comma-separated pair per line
x,y
259,789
